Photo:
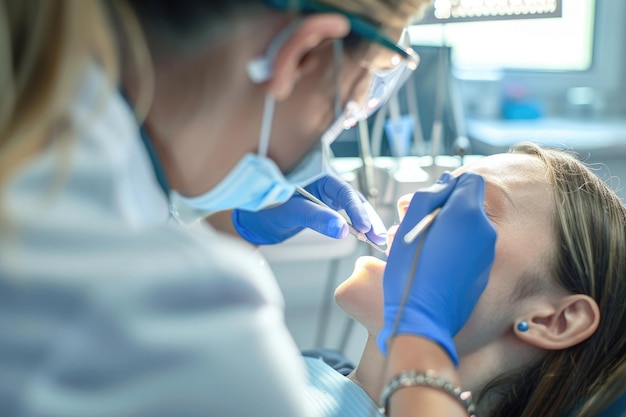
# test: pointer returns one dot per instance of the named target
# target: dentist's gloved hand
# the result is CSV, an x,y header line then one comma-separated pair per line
x,y
279,223
453,266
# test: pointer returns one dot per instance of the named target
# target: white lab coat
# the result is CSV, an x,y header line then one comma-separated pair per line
x,y
108,309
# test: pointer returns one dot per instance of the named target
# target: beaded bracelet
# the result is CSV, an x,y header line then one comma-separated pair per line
x,y
428,379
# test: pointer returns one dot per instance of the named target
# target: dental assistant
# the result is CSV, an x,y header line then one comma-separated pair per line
x,y
124,124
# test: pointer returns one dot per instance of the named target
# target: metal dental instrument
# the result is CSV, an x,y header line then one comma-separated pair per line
x,y
353,230
421,225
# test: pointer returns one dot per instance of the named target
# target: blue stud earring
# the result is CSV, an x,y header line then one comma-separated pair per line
x,y
522,326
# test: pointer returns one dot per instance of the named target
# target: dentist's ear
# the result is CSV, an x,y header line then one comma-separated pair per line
x,y
291,62
567,322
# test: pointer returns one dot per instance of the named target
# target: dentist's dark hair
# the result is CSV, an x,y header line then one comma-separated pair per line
x,y
187,23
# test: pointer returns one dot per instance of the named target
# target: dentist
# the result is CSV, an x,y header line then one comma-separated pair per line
x,y
123,123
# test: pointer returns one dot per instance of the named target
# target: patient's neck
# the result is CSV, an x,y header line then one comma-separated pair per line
x,y
368,373
476,368
505,354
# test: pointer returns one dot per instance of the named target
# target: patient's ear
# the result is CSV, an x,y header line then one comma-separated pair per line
x,y
562,324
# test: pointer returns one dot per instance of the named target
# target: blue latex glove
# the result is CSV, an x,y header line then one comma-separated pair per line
x,y
279,223
453,266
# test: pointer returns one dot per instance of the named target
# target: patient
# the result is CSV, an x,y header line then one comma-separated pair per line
x,y
560,267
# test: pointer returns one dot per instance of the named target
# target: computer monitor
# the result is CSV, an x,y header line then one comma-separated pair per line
x,y
497,37
446,11
583,48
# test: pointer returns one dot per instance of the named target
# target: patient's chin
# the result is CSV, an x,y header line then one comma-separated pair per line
x,y
361,294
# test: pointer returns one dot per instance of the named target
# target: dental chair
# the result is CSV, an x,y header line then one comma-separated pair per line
x,y
616,409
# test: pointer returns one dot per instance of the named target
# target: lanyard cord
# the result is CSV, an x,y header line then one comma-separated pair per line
x,y
156,164
147,143
405,296
407,288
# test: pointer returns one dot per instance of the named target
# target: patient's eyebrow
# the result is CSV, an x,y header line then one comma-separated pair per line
x,y
498,186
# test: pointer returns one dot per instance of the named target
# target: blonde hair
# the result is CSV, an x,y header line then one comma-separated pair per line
x,y
45,47
589,258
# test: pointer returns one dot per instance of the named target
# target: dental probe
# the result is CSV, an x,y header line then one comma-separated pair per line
x,y
353,230
421,225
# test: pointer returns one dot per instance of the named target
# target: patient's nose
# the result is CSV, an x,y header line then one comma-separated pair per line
x,y
403,204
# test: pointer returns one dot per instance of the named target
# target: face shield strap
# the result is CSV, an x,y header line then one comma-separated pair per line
x,y
383,82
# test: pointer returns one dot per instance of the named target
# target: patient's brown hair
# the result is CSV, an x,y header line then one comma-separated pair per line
x,y
590,258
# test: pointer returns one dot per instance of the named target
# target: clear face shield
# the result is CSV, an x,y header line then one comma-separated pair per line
x,y
385,69
388,66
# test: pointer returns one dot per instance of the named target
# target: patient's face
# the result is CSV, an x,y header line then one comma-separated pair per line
x,y
519,202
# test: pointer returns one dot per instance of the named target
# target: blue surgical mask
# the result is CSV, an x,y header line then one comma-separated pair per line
x,y
255,182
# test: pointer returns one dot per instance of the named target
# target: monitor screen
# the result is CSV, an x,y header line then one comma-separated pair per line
x,y
467,10
549,44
